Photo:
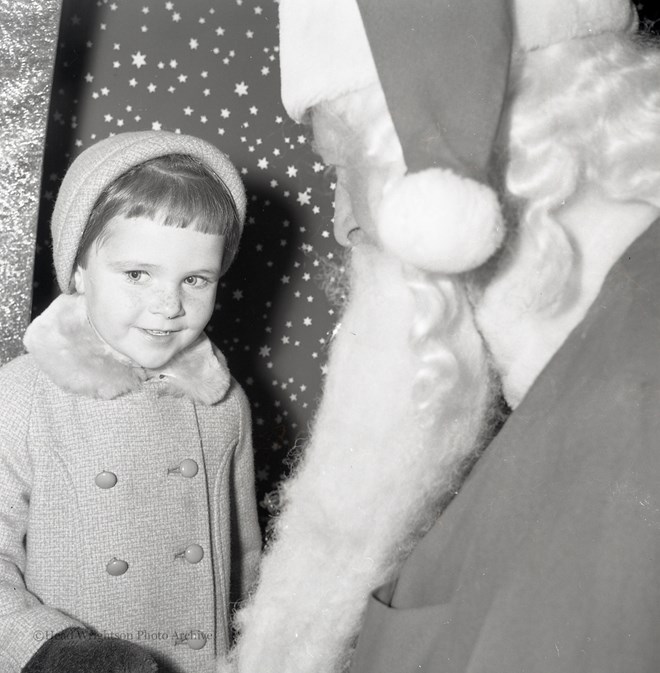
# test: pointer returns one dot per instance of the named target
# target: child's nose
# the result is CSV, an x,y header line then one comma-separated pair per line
x,y
166,302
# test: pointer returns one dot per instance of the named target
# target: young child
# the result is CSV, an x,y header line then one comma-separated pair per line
x,y
127,511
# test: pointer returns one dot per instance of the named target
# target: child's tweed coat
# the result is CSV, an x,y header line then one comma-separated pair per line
x,y
62,527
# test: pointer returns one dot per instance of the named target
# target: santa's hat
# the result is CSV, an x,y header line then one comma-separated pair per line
x,y
443,67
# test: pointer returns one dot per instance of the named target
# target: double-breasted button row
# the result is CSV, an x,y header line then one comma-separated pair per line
x,y
193,554
187,468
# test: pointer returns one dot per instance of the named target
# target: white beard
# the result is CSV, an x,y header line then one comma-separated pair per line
x,y
371,475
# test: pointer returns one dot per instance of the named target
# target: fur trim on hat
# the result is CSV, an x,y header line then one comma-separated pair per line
x,y
69,352
324,52
440,221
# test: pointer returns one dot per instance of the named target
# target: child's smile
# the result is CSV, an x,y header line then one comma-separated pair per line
x,y
150,289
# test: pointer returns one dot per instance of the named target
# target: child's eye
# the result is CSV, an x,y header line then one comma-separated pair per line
x,y
195,281
135,276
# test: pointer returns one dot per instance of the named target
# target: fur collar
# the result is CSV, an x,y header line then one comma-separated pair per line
x,y
68,350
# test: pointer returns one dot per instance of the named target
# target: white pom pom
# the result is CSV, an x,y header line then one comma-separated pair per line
x,y
440,221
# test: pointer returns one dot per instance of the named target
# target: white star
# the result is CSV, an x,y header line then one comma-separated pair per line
x,y
241,89
263,163
249,34
89,77
176,17
105,91
156,126
307,321
265,70
224,113
169,6
188,111
219,31
318,166
182,78
173,63
193,44
264,351
152,87
285,280
291,171
139,60
204,74
237,295
207,92
132,82
257,10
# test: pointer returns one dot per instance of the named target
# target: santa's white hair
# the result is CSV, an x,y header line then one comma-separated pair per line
x,y
584,111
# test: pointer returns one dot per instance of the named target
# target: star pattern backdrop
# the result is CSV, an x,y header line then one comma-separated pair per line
x,y
211,69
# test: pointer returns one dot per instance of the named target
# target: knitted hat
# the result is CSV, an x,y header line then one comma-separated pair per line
x,y
443,67
99,165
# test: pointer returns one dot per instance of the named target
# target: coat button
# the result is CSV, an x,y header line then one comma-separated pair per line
x,y
196,640
116,567
188,468
193,553
105,479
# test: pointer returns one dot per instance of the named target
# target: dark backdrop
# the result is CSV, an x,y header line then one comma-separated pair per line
x,y
211,69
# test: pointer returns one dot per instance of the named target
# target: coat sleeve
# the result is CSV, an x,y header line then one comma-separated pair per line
x,y
245,534
25,622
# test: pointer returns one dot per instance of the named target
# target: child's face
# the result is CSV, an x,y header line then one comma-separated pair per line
x,y
150,289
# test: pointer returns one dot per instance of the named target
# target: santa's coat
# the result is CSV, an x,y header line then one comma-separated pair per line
x,y
547,560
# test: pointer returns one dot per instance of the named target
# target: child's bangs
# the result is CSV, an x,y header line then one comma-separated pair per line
x,y
196,200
